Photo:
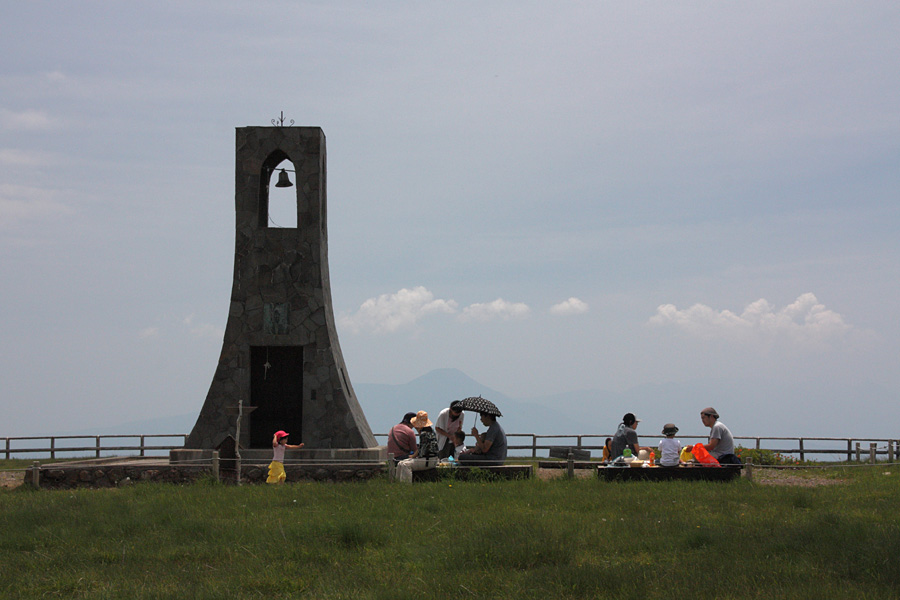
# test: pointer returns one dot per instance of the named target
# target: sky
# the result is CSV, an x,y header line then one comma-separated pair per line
x,y
548,196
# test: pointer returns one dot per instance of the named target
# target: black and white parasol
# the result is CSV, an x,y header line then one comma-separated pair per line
x,y
480,405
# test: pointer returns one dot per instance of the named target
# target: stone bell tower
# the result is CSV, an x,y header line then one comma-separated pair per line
x,y
280,356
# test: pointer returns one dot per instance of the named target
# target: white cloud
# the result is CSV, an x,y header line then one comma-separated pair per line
x,y
390,312
18,202
148,332
26,120
203,329
805,320
498,309
20,158
572,306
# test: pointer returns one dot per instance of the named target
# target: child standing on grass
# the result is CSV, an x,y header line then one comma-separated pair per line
x,y
669,448
276,468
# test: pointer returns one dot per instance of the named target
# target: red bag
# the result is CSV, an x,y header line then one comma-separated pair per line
x,y
702,455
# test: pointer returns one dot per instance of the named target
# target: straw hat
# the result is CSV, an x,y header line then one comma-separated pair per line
x,y
421,420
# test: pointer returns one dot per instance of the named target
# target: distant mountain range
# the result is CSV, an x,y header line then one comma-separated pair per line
x,y
754,408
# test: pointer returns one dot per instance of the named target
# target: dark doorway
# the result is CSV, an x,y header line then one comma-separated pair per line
x,y
276,390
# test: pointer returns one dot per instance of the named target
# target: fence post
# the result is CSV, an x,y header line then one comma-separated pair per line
x,y
36,474
7,448
97,439
857,452
757,443
579,441
801,450
533,445
142,447
570,465
849,450
53,448
215,465
748,469
872,458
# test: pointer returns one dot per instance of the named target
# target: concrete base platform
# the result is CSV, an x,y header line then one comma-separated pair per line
x,y
116,472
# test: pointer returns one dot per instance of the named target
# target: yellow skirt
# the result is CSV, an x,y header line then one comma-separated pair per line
x,y
276,473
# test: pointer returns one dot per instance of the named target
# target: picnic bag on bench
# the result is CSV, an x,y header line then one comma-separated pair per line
x,y
702,455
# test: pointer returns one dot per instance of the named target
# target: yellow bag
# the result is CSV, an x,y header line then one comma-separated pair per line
x,y
686,455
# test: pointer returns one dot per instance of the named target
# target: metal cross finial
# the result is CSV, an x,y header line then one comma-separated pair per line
x,y
279,122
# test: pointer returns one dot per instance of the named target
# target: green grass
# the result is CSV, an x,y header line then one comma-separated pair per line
x,y
517,539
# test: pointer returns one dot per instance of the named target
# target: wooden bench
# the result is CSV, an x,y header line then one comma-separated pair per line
x,y
562,464
467,472
723,473
563,453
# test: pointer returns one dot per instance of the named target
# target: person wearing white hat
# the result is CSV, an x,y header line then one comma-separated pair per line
x,y
626,437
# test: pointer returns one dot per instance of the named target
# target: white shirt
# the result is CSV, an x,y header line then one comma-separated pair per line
x,y
443,421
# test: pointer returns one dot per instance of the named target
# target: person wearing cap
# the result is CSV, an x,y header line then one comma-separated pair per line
x,y
425,456
669,448
449,421
276,467
402,439
490,447
626,437
721,442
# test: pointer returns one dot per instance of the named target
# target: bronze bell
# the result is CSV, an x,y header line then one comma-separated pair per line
x,y
283,179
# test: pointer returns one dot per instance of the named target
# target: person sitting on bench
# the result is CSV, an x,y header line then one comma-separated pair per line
x,y
490,447
721,443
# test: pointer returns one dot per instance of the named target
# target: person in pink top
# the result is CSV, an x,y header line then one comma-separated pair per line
x,y
402,439
276,467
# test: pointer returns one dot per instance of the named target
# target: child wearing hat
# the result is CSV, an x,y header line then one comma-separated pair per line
x,y
276,467
669,448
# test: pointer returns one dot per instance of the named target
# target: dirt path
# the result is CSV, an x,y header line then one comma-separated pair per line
x,y
792,478
11,479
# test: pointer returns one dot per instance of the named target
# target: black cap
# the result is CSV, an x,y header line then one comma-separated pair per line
x,y
408,417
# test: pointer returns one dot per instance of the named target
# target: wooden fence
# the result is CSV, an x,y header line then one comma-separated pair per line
x,y
520,444
851,448
81,445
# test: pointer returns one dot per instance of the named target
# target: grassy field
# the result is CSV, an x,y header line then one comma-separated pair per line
x,y
838,538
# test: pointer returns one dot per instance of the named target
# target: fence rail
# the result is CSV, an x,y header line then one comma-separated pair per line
x,y
852,448
531,443
35,446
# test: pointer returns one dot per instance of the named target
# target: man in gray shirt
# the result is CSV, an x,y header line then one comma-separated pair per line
x,y
721,442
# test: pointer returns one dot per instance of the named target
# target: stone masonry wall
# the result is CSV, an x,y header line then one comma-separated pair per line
x,y
107,476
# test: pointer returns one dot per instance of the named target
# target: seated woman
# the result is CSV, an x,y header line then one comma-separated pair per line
x,y
426,455
490,447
